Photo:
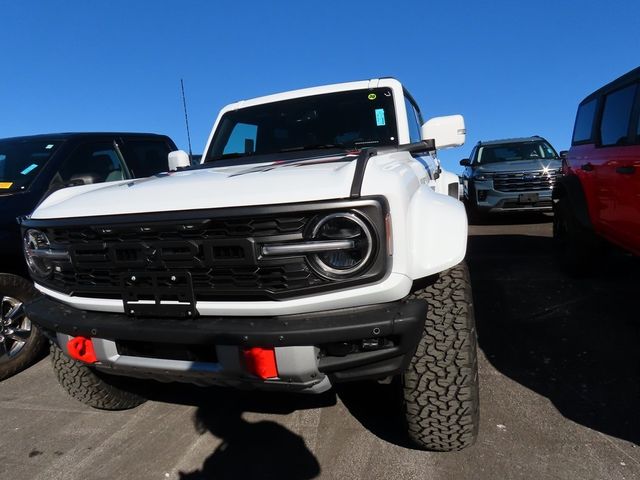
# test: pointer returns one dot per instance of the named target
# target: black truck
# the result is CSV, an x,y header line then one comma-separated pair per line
x,y
32,167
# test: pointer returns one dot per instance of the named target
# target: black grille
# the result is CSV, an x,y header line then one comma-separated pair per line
x,y
524,181
222,257
201,255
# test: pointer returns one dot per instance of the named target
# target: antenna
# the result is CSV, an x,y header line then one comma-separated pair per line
x,y
186,120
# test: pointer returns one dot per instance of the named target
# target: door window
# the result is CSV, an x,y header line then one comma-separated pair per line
x,y
91,163
584,122
145,157
614,128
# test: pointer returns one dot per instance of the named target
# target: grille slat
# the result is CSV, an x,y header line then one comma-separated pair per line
x,y
524,181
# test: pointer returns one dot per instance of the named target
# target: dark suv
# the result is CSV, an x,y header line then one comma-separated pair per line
x,y
30,169
509,175
598,195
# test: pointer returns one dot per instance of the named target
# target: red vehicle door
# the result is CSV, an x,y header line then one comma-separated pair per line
x,y
618,174
619,180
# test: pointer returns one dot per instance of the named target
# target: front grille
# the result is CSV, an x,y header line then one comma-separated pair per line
x,y
524,181
202,258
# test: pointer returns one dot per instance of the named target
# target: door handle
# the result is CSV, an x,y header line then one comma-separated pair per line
x,y
628,170
587,167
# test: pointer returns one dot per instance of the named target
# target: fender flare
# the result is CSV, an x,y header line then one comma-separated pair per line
x,y
569,189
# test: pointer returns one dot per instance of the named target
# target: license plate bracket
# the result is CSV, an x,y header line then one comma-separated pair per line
x,y
528,197
158,294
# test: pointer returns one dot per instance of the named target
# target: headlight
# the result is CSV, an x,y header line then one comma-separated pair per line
x,y
482,176
345,261
34,243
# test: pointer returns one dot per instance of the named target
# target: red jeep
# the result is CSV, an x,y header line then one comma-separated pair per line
x,y
598,196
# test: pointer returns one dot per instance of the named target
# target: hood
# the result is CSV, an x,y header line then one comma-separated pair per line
x,y
231,186
519,166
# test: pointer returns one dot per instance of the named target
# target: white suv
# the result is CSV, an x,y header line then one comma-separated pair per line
x,y
319,241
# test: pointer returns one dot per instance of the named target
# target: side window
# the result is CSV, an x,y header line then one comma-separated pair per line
x,y
242,139
614,128
145,157
414,122
584,122
91,163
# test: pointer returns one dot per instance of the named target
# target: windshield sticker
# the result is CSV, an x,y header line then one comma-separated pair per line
x,y
29,169
380,121
372,96
49,147
5,185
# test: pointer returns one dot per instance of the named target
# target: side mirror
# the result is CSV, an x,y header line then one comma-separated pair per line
x,y
178,159
448,131
564,154
465,162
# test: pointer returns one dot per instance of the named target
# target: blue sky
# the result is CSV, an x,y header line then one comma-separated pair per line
x,y
511,68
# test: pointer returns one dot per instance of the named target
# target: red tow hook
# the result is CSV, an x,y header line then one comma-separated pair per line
x,y
81,348
261,362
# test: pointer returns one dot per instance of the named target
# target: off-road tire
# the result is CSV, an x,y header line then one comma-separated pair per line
x,y
575,247
93,388
440,385
21,289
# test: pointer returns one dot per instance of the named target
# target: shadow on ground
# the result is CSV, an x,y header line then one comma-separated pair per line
x,y
255,450
573,340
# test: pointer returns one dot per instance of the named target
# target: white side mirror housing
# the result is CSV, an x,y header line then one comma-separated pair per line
x,y
448,131
178,159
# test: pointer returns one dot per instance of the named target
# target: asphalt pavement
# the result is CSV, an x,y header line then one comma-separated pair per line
x,y
560,389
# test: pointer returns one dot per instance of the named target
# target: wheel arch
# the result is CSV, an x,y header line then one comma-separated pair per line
x,y
569,189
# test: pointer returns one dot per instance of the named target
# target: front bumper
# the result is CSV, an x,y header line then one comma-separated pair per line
x,y
486,199
313,350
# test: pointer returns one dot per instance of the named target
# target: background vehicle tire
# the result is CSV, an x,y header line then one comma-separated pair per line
x,y
21,342
440,385
575,247
93,388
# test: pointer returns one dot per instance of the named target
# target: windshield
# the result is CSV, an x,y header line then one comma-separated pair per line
x,y
348,120
21,161
508,152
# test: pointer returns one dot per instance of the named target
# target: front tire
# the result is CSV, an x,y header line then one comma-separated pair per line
x,y
440,385
575,247
93,388
21,342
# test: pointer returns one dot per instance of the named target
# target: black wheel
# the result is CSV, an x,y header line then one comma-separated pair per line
x,y
21,342
575,247
93,388
440,385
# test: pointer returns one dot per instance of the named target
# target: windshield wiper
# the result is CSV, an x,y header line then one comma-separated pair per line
x,y
323,146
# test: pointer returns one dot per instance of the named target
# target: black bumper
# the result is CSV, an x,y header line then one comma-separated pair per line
x,y
401,323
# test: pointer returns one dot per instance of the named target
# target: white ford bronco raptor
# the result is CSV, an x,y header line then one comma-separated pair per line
x,y
318,242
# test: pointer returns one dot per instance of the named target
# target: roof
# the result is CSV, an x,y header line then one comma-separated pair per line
x,y
318,90
76,135
533,138
628,77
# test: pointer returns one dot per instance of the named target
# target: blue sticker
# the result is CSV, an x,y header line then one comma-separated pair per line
x,y
380,121
29,168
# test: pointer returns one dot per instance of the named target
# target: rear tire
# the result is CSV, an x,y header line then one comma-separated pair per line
x,y
93,388
440,385
575,247
21,342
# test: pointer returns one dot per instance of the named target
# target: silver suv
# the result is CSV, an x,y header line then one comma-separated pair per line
x,y
515,174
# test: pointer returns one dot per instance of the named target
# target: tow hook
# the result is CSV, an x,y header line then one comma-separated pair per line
x,y
81,348
261,362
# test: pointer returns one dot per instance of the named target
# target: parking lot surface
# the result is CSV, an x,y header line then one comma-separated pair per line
x,y
560,389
